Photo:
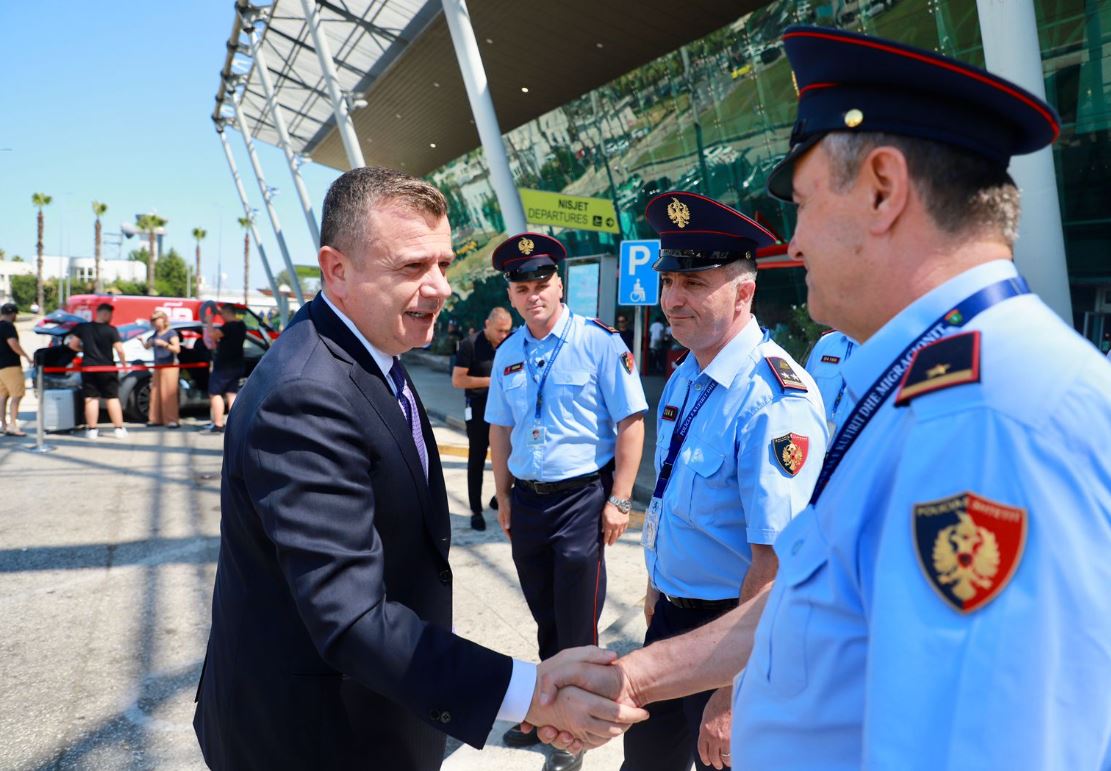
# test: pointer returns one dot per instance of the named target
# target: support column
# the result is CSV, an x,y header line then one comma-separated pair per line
x,y
264,189
279,298
1011,50
482,107
340,103
283,134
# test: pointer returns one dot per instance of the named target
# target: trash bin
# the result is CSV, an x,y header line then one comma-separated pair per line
x,y
59,409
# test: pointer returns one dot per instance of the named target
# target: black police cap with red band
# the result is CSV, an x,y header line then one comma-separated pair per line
x,y
698,233
528,256
856,83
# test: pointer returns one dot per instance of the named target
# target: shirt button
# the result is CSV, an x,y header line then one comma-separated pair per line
x,y
697,386
445,577
796,546
445,717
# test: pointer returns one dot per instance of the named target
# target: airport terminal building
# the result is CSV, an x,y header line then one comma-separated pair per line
x,y
599,106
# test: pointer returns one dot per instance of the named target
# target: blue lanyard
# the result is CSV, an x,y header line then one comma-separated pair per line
x,y
841,392
875,397
678,436
551,363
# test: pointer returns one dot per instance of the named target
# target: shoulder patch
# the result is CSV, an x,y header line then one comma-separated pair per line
x,y
604,326
950,361
968,547
790,452
785,374
513,368
628,362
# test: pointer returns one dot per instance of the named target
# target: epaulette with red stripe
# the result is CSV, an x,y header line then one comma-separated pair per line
x,y
950,361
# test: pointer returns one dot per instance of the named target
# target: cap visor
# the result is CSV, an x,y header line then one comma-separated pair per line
x,y
781,180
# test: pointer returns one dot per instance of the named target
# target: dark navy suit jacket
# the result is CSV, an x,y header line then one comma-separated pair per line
x,y
330,644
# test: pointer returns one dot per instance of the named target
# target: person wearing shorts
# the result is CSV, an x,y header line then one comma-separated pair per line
x,y
12,384
99,340
227,364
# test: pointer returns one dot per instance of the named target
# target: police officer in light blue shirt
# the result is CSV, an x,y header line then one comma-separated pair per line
x,y
740,438
943,601
826,359
566,413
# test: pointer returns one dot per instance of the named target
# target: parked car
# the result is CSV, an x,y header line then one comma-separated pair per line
x,y
135,384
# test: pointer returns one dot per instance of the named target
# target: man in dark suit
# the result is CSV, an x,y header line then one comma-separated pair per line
x,y
332,491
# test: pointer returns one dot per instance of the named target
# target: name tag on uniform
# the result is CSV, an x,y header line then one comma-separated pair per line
x,y
536,435
468,413
651,524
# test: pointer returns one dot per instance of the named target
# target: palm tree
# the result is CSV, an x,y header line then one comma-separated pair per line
x,y
199,234
149,223
39,200
98,209
245,223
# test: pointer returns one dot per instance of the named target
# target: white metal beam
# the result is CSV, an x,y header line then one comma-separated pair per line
x,y
340,103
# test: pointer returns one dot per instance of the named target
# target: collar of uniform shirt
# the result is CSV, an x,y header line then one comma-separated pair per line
x,y
873,357
557,330
384,361
731,359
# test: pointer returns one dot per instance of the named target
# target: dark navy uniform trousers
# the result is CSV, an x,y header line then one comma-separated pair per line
x,y
557,548
668,740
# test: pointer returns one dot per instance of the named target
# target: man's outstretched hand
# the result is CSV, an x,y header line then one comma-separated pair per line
x,y
582,699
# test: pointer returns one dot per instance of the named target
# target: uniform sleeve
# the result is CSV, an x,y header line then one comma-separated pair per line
x,y
498,411
464,356
618,380
779,454
1019,680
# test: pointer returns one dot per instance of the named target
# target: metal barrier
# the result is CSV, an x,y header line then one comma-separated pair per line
x,y
40,445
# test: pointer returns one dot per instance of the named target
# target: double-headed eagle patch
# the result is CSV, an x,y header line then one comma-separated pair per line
x,y
968,547
525,246
679,213
790,452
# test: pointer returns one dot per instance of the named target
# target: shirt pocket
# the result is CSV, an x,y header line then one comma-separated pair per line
x,y
516,395
707,479
788,656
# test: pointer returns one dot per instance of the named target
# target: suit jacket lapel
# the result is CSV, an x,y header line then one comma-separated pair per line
x,y
371,382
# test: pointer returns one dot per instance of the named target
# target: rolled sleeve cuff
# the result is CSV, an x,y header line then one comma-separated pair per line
x,y
518,696
762,537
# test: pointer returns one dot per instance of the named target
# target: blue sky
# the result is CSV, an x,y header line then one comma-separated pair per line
x,y
110,101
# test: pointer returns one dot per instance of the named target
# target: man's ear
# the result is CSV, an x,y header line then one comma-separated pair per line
x,y
887,182
746,290
333,271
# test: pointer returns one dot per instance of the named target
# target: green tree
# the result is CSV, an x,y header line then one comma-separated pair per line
x,y
198,234
98,210
40,201
123,286
171,275
25,290
149,224
17,258
245,223
308,276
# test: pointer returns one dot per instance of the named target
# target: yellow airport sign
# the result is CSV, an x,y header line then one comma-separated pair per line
x,y
568,211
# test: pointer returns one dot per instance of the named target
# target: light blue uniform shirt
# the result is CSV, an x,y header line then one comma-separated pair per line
x,y
858,661
588,392
727,491
824,364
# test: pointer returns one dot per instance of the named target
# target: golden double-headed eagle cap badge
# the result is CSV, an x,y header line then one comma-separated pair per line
x,y
525,246
679,213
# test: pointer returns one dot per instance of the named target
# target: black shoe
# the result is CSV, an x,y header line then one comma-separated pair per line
x,y
478,522
494,503
562,760
514,737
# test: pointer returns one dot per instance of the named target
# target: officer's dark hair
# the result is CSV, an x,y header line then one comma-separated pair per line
x,y
962,191
355,193
105,307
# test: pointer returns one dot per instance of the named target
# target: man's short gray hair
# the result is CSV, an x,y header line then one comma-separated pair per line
x,y
963,192
352,196
740,270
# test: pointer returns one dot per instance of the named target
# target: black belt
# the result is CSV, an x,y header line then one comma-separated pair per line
x,y
689,604
563,485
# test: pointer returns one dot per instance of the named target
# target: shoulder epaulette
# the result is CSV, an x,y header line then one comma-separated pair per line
x,y
948,362
604,326
785,374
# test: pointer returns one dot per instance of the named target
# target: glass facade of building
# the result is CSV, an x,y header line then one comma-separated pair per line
x,y
714,117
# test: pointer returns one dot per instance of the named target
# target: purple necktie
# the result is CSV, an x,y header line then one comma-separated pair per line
x,y
409,407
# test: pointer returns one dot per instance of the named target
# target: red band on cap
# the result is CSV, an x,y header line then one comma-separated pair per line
x,y
942,64
814,86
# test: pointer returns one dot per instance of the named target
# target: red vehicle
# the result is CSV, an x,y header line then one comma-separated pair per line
x,y
136,309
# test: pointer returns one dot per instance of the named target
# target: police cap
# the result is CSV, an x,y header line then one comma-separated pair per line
x,y
528,256
698,233
852,82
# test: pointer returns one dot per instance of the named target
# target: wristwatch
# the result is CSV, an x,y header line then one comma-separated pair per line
x,y
624,505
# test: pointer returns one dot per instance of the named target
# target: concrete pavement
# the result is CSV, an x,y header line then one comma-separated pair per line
x,y
107,561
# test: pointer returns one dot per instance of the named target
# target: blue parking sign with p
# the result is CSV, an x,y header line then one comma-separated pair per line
x,y
637,283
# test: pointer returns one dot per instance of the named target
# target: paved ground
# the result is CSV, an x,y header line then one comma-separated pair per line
x,y
107,558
